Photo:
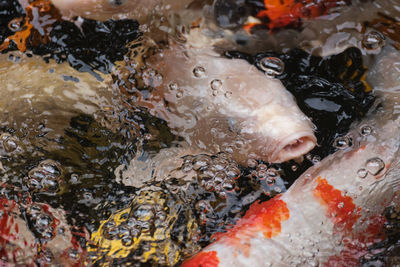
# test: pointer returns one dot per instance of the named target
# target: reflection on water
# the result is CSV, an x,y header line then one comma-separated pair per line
x,y
90,176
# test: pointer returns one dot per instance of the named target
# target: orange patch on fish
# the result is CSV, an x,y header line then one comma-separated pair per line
x,y
281,13
341,209
34,30
203,259
265,217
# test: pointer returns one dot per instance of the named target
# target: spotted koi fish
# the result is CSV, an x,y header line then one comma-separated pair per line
x,y
333,212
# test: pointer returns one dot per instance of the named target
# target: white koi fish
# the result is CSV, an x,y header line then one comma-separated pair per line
x,y
217,104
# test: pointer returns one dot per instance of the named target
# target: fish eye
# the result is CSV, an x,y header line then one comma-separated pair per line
x,y
116,2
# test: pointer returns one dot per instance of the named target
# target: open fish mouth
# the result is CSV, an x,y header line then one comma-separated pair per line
x,y
294,146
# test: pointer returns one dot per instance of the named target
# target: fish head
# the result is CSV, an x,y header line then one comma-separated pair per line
x,y
219,104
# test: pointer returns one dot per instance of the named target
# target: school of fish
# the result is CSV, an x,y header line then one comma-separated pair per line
x,y
333,212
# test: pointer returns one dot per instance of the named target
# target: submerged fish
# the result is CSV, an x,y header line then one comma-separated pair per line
x,y
333,212
220,104
217,103
140,10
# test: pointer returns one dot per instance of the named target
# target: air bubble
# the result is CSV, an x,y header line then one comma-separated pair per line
x,y
222,195
373,40
262,167
73,254
50,166
228,94
50,185
262,174
270,181
219,178
48,257
340,205
111,233
144,212
123,231
127,241
316,159
179,94
342,142
277,189
146,226
252,163
228,186
34,184
10,145
36,174
375,166
272,172
135,233
87,196
233,172
199,72
202,205
362,173
74,178
209,186
219,164
201,161
173,86
272,66
43,221
15,24
216,84
366,130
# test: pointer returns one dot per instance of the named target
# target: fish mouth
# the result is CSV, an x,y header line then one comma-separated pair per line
x,y
293,146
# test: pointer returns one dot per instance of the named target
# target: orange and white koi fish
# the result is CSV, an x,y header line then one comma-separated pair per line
x,y
332,213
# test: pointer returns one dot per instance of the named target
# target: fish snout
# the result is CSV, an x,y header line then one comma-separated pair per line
x,y
293,146
288,133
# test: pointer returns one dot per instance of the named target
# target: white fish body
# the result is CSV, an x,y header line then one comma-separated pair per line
x,y
333,212
217,104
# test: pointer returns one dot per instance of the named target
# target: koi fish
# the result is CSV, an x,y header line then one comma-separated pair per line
x,y
216,103
140,10
271,13
332,213
276,14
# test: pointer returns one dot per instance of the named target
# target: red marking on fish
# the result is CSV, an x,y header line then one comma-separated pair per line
x,y
265,217
203,259
6,221
341,209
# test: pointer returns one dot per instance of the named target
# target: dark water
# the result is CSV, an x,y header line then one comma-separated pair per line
x,y
63,186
